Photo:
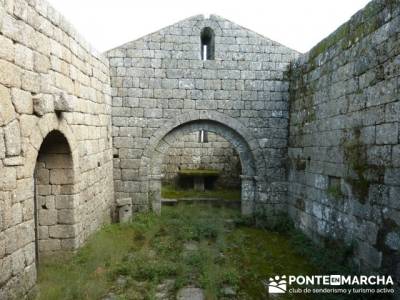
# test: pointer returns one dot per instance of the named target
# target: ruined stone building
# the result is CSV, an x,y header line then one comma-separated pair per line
x,y
315,135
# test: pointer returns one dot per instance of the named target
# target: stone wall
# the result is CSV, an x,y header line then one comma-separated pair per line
x,y
215,154
344,174
51,85
160,83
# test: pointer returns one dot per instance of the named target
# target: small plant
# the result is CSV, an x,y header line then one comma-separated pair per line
x,y
335,192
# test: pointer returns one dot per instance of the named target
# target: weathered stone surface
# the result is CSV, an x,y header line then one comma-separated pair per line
x,y
393,241
23,57
152,92
190,293
7,111
64,103
41,58
331,161
10,74
6,49
190,153
12,137
22,101
43,104
41,63
343,138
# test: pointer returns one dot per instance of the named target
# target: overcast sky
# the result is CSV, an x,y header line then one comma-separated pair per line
x,y
298,24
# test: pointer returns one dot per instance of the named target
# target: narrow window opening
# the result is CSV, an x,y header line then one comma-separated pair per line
x,y
207,44
204,52
203,136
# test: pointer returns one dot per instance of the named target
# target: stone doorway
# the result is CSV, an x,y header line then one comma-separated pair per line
x,y
248,178
55,196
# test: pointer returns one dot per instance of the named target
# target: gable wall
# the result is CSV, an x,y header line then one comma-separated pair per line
x,y
161,77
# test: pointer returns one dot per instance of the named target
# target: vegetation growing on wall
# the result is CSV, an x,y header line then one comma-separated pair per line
x,y
361,174
361,25
355,156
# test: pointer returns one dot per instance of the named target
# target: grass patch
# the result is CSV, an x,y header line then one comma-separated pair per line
x,y
171,192
132,260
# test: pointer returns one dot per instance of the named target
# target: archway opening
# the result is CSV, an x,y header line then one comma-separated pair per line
x,y
152,164
55,191
201,165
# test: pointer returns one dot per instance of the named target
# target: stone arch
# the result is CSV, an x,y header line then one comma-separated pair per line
x,y
230,129
55,170
211,23
36,136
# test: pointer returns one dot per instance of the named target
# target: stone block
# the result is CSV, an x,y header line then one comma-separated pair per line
x,y
12,137
7,111
6,269
64,103
23,57
2,245
66,216
43,232
66,201
124,209
18,262
62,231
22,101
30,81
387,133
69,244
6,49
2,145
29,253
10,74
61,176
47,217
13,161
124,201
41,63
49,245
43,104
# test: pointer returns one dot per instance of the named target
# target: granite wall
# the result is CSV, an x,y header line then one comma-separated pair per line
x,y
160,85
55,108
215,153
344,173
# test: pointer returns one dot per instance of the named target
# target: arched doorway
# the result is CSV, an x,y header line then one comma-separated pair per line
x,y
55,196
206,152
152,163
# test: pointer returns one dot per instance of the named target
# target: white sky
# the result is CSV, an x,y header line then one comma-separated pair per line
x,y
298,24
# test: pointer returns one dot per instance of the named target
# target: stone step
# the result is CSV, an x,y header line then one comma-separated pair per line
x,y
218,202
190,293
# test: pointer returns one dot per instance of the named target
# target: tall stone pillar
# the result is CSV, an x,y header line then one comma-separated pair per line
x,y
248,194
155,193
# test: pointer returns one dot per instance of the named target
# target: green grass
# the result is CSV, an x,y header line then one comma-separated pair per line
x,y
151,249
171,192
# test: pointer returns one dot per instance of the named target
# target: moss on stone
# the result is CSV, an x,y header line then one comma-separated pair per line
x,y
199,172
299,164
171,192
329,41
335,192
355,154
